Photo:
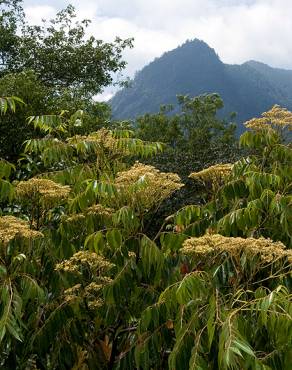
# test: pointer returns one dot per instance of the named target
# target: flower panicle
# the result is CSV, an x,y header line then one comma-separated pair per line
x,y
12,227
277,117
267,249
213,174
50,192
152,186
83,259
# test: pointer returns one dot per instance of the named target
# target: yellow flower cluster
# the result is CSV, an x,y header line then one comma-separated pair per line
x,y
98,209
257,124
131,254
74,290
95,210
93,288
12,227
48,191
101,139
267,249
277,117
95,303
214,174
85,259
77,218
104,137
90,293
149,186
98,265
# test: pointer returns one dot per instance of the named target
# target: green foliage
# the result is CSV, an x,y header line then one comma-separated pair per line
x,y
196,125
9,103
196,138
10,17
88,281
47,48
32,60
6,189
194,68
6,168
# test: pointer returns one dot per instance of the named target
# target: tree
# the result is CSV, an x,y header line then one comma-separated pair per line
x,y
200,122
196,126
84,285
41,99
52,67
11,16
195,137
60,53
162,127
13,130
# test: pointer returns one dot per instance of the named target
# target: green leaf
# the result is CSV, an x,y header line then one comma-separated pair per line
x,y
151,256
191,287
114,238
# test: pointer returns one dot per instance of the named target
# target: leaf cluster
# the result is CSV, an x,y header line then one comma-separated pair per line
x,y
84,284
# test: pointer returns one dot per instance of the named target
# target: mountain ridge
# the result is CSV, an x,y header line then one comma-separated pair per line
x,y
194,68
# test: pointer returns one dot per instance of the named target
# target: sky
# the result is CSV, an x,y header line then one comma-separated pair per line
x,y
238,30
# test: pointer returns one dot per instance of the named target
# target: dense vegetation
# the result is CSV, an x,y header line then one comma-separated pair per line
x,y
194,68
52,67
110,262
84,284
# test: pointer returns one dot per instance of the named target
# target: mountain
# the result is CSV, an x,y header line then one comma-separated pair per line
x,y
194,68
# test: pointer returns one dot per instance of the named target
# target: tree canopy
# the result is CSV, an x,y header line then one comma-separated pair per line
x,y
59,51
94,273
85,284
52,67
197,121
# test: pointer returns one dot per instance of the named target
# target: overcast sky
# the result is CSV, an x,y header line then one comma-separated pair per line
x,y
239,30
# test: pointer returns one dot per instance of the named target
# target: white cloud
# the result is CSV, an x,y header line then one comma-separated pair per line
x,y
238,30
105,96
36,13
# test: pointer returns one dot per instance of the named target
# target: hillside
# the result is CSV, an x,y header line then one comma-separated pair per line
x,y
194,68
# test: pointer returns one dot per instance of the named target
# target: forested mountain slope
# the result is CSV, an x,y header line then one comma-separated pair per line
x,y
194,68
